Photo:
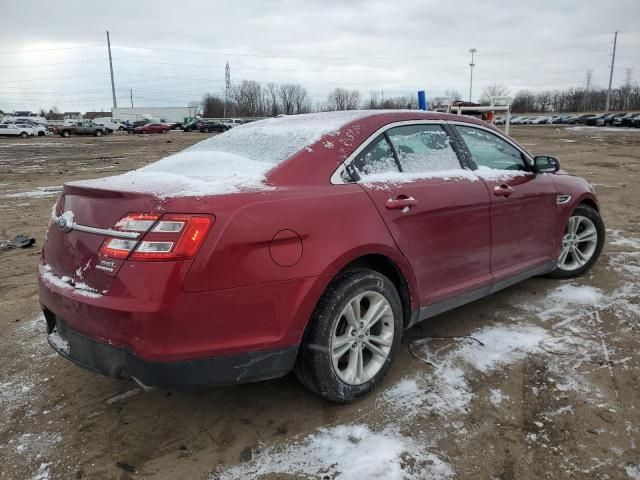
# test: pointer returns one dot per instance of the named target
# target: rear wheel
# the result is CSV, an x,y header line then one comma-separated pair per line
x,y
24,135
582,243
206,130
98,133
352,337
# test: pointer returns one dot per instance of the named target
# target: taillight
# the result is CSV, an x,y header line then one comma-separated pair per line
x,y
171,237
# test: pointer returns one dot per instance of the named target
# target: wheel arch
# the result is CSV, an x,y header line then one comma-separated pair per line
x,y
384,260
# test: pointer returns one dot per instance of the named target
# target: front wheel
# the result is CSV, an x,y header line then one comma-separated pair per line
x,y
24,135
98,133
352,337
582,243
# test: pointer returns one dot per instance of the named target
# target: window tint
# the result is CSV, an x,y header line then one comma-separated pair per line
x,y
3,126
423,148
377,157
488,150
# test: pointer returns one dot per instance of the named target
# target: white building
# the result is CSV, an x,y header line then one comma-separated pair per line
x,y
167,114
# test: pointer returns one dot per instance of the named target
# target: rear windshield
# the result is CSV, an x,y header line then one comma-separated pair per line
x,y
276,139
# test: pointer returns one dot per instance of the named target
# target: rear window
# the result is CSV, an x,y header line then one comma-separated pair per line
x,y
276,139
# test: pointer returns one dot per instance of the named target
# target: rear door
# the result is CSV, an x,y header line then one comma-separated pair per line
x,y
523,204
437,212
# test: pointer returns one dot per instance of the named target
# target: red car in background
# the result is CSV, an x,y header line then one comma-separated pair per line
x,y
307,242
152,128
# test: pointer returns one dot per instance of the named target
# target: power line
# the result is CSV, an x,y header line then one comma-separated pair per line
x,y
8,52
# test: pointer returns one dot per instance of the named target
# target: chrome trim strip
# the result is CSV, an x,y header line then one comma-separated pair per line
x,y
107,232
104,231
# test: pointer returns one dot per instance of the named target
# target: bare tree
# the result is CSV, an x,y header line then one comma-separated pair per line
x,y
453,94
343,99
212,106
493,90
301,99
247,99
274,107
286,93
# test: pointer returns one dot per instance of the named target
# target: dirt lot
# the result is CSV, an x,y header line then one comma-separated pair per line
x,y
547,387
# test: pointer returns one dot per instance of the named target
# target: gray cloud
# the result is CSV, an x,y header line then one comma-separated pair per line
x,y
171,52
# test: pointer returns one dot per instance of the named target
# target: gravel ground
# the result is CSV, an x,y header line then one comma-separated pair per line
x,y
539,381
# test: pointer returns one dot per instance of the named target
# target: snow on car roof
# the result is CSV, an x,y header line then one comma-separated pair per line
x,y
236,160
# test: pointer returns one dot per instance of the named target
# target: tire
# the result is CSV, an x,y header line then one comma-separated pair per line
x,y
65,133
316,366
206,130
98,133
587,225
41,134
24,135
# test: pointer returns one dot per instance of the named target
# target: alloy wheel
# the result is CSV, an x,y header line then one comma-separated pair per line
x,y
578,243
362,338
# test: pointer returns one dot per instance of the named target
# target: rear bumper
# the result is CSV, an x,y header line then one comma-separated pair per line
x,y
120,362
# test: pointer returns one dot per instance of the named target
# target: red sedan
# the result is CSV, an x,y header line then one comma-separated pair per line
x,y
305,243
152,128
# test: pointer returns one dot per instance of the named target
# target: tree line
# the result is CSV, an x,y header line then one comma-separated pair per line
x,y
252,99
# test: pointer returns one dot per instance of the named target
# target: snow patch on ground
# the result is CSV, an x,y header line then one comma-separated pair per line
x,y
633,471
39,192
43,472
349,452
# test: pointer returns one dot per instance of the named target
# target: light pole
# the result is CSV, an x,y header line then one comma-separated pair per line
x,y
472,64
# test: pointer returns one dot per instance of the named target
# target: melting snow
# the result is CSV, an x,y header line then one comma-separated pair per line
x,y
231,162
349,452
48,276
39,192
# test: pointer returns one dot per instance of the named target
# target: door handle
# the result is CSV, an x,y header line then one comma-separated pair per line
x,y
502,190
401,202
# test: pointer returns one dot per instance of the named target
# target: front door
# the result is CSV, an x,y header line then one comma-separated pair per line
x,y
437,212
523,204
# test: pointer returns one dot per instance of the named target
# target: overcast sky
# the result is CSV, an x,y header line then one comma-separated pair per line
x,y
53,53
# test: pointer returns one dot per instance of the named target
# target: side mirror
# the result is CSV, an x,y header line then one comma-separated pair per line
x,y
546,164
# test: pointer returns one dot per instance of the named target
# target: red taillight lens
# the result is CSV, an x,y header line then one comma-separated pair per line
x,y
171,237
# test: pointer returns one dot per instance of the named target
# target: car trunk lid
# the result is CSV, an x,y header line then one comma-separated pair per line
x,y
73,255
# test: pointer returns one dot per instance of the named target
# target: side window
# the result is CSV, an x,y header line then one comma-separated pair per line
x,y
489,150
423,148
377,157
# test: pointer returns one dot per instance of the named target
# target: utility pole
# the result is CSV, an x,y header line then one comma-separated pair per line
x,y
227,87
131,96
613,60
472,64
627,86
113,85
586,91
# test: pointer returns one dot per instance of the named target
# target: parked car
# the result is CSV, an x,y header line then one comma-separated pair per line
x,y
16,130
152,128
208,126
626,120
582,119
193,125
84,127
307,242
636,121
594,119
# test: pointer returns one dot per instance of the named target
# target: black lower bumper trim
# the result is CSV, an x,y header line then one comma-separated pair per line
x,y
121,363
